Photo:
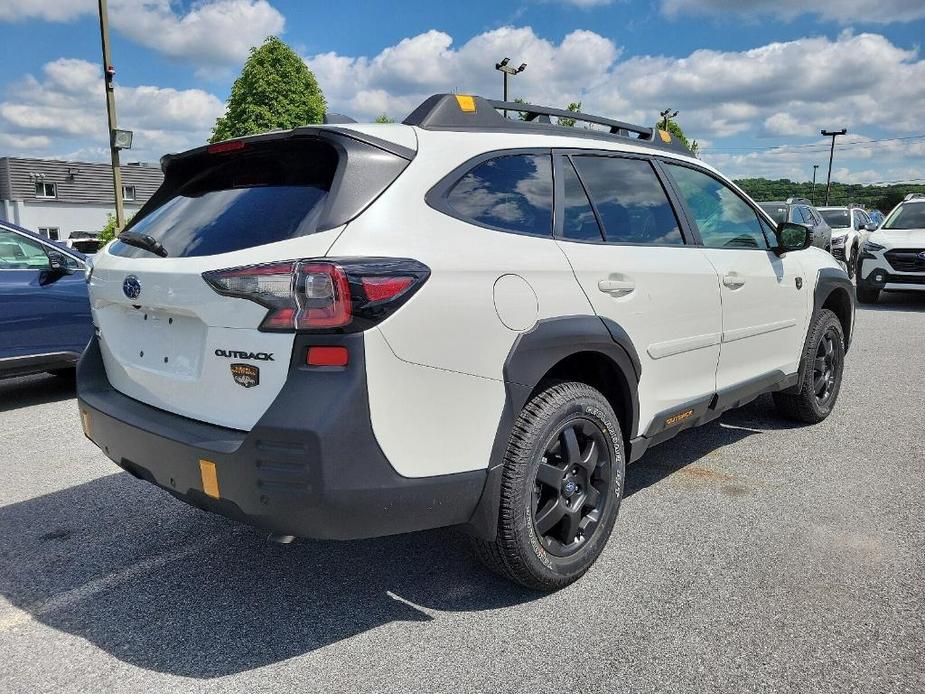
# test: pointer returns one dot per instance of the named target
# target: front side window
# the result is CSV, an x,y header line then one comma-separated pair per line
x,y
724,219
632,205
18,252
907,216
512,192
45,190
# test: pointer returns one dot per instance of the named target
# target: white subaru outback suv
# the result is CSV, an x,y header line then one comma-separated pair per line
x,y
348,331
893,257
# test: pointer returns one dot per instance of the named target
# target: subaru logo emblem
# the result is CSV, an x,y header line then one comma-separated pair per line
x,y
131,287
570,488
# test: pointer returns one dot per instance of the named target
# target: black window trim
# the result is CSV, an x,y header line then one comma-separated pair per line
x,y
689,240
438,196
762,215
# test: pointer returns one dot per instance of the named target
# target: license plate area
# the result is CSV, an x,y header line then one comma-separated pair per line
x,y
157,340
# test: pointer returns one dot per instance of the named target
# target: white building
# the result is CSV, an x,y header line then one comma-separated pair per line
x,y
56,198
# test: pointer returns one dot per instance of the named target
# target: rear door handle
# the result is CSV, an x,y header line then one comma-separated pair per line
x,y
733,280
616,287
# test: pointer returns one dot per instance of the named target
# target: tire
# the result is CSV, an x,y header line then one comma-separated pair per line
x,y
549,473
822,365
866,295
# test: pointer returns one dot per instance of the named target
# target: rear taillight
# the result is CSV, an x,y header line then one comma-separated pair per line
x,y
329,295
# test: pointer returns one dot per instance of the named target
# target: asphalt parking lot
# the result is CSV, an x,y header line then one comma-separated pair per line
x,y
750,555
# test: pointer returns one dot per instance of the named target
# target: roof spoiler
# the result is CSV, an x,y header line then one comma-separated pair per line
x,y
462,112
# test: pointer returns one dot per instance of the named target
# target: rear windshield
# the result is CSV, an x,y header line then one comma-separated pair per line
x,y
908,216
778,212
837,219
227,202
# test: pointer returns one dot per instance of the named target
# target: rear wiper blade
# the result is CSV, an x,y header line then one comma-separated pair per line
x,y
143,241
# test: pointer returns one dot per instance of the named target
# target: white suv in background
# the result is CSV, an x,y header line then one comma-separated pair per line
x,y
893,256
346,331
848,225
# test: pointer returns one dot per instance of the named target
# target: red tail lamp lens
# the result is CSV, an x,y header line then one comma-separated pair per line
x,y
327,356
229,146
383,288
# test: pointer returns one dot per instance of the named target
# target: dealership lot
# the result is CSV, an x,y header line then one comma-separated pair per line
x,y
750,555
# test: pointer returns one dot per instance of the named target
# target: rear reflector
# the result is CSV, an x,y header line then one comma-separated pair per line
x,y
327,356
209,476
382,288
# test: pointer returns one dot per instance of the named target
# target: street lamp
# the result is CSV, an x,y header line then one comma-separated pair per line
x,y
833,134
508,70
815,168
667,115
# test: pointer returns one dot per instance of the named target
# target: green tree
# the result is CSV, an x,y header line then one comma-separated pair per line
x,y
275,90
108,232
383,118
574,107
677,132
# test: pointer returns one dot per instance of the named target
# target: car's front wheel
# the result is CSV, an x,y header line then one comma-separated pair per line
x,y
562,484
822,363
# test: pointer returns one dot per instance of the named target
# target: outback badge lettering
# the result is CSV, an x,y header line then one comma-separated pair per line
x,y
234,354
245,375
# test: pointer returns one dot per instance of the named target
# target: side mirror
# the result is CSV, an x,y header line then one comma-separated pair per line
x,y
870,226
793,237
57,263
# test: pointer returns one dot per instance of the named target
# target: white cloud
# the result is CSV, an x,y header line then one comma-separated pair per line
x,y
66,108
401,76
210,34
840,11
48,10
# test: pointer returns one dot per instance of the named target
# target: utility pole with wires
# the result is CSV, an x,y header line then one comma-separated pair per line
x,y
815,168
507,70
833,134
667,115
118,139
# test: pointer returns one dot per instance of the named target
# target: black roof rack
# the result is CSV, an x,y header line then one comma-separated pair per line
x,y
460,112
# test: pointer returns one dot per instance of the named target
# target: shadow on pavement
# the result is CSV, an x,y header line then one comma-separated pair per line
x,y
168,588
34,390
897,301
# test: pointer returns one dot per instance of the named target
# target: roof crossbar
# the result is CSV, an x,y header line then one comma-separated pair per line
x,y
541,114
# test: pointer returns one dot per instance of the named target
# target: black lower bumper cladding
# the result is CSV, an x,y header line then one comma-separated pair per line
x,y
311,466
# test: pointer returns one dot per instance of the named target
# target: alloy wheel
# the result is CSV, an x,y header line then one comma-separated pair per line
x,y
825,366
572,487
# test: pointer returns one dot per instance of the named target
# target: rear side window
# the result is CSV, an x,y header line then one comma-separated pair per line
x,y
724,219
579,222
512,193
632,205
234,201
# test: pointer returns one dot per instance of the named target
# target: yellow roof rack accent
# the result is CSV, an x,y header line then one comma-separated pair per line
x,y
466,103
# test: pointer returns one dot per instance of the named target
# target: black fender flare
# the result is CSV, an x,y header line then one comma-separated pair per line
x,y
531,357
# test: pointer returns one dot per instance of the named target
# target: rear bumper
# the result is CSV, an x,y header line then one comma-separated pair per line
x,y
311,466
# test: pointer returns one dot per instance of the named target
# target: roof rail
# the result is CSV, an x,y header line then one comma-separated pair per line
x,y
914,196
462,112
798,201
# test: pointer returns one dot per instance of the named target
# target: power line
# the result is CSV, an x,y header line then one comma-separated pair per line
x,y
812,146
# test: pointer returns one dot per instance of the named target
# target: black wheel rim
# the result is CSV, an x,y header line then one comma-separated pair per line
x,y
826,366
572,487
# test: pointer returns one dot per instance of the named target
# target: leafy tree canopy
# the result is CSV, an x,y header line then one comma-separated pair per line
x,y
384,118
574,107
882,197
677,132
275,90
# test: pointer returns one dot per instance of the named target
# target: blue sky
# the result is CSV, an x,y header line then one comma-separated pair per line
x,y
754,80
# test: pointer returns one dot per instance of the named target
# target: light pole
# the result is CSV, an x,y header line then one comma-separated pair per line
x,y
118,139
815,168
508,70
833,134
667,115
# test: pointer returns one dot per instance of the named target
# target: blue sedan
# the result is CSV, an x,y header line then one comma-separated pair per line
x,y
44,308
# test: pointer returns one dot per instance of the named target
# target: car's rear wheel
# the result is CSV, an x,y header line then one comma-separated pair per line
x,y
561,488
822,364
867,296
